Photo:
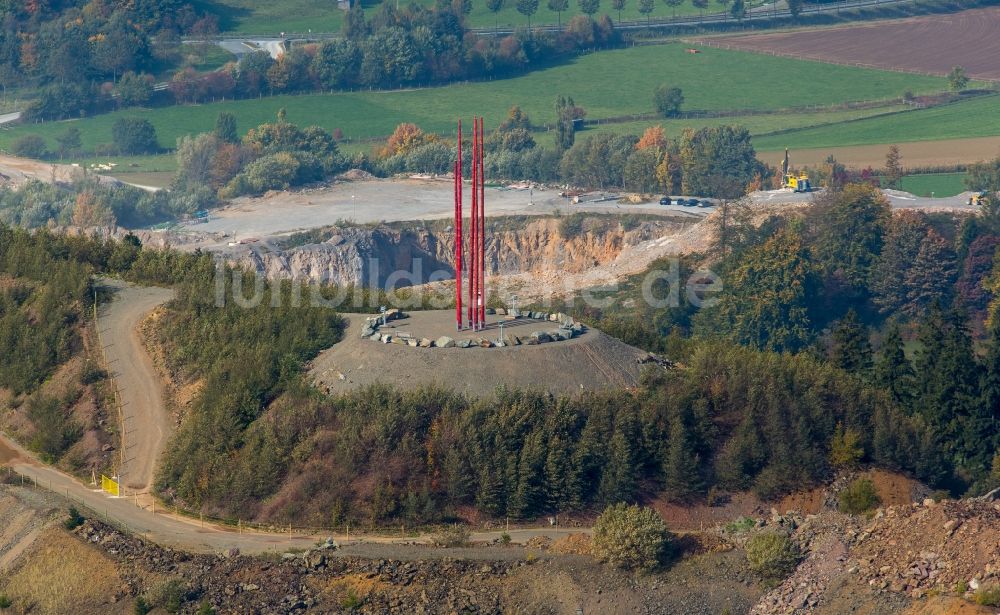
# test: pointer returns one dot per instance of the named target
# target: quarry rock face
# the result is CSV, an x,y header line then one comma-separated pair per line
x,y
364,256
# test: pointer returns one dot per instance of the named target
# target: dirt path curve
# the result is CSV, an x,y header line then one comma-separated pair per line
x,y
148,428
176,531
147,422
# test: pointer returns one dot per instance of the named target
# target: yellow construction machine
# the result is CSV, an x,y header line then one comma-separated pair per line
x,y
797,182
977,199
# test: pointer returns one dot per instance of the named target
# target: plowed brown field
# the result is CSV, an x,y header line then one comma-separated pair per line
x,y
932,44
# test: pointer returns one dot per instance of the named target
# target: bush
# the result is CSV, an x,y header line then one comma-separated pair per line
x,y
772,556
571,226
169,594
988,597
133,135
92,373
631,537
29,146
75,519
141,607
452,536
4,601
859,497
668,100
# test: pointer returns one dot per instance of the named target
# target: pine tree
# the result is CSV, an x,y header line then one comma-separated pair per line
x,y
900,246
932,275
681,470
893,371
618,481
851,349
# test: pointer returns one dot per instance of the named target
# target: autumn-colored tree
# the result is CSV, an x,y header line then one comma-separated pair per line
x,y
894,166
89,212
406,137
654,137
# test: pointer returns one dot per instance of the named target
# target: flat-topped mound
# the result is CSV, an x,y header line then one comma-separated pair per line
x,y
591,360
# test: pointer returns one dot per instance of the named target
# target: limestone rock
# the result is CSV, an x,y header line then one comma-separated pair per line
x,y
444,342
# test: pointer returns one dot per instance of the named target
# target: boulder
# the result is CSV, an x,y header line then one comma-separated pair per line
x,y
393,314
425,343
501,312
513,340
444,342
464,343
485,343
532,341
367,331
398,340
375,337
560,335
554,317
412,342
541,337
386,338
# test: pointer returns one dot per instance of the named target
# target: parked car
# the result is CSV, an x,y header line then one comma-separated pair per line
x,y
693,202
665,200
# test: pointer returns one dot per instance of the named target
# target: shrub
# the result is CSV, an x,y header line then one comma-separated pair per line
x,y
743,524
452,536
29,146
169,594
571,226
75,519
350,601
988,597
630,537
205,608
92,373
772,556
668,100
4,601
133,135
859,497
141,606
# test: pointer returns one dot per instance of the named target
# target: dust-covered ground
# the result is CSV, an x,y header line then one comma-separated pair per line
x,y
592,361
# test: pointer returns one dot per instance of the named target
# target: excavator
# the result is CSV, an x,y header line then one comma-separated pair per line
x,y
797,182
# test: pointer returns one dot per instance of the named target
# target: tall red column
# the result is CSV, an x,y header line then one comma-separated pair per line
x,y
482,225
473,272
458,232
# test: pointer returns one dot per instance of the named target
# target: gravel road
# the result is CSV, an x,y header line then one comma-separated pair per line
x,y
147,422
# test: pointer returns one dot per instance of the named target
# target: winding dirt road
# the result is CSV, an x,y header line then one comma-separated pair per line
x,y
148,426
147,422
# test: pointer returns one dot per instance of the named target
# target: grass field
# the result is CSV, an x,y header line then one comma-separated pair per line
x,y
756,124
938,184
607,84
273,17
971,118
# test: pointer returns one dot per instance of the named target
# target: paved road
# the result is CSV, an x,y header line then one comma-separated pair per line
x,y
147,422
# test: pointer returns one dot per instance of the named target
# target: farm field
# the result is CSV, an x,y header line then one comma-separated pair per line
x,y
915,154
756,124
979,117
931,44
258,17
620,82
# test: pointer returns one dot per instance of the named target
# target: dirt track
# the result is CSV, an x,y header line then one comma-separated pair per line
x,y
932,44
146,419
